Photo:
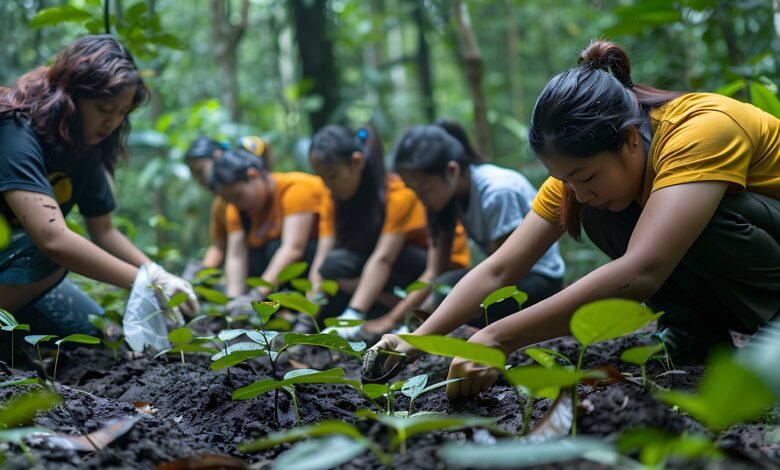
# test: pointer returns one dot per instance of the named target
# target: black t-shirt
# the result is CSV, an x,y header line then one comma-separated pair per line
x,y
25,164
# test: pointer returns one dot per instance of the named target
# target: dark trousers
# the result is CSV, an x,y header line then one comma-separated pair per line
x,y
730,277
342,263
537,286
260,257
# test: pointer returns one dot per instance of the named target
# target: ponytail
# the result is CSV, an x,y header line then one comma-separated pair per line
x,y
232,167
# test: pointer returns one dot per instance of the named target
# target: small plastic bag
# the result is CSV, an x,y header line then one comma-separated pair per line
x,y
144,319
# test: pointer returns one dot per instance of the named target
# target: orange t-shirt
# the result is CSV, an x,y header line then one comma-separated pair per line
x,y
218,222
293,193
404,214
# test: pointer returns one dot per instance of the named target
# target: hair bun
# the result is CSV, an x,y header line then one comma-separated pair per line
x,y
607,56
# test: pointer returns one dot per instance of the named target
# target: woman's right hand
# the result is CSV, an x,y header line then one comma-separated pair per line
x,y
394,344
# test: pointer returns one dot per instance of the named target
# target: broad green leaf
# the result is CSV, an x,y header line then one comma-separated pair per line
x,y
22,410
330,287
302,284
455,347
731,88
260,338
192,348
243,346
227,335
5,233
57,15
35,339
603,320
134,12
323,428
7,319
327,341
180,336
115,343
265,309
537,378
19,327
211,295
296,302
320,454
176,300
374,391
412,387
728,394
545,357
292,271
640,354
435,386
504,293
762,97
78,338
511,453
9,383
656,445
256,282
235,358
342,323
416,285
308,376
205,274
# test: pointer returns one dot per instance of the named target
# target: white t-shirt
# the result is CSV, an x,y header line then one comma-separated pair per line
x,y
499,199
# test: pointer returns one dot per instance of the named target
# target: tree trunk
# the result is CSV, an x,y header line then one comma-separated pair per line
x,y
514,74
776,15
226,40
315,47
424,63
472,59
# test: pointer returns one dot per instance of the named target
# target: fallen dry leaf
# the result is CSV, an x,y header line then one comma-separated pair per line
x,y
144,407
298,364
100,438
556,424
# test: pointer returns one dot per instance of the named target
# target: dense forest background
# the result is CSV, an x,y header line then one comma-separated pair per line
x,y
282,69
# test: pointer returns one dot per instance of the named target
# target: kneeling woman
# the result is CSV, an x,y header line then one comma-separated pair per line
x,y
681,190
373,233
439,163
271,219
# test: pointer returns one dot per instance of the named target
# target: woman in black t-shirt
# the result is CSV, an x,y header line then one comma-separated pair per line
x,y
62,129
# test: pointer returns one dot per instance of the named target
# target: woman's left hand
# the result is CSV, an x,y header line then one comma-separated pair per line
x,y
476,378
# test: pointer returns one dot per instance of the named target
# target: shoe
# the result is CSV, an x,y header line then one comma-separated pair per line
x,y
347,332
686,347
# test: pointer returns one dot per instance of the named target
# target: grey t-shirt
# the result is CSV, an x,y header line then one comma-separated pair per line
x,y
499,199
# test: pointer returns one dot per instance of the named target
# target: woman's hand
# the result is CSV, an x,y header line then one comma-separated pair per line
x,y
476,378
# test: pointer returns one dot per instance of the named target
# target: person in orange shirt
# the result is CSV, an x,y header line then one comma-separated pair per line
x,y
271,219
199,158
373,233
681,190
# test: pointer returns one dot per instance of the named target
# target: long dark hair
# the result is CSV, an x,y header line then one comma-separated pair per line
x,y
90,67
359,220
428,149
232,167
589,109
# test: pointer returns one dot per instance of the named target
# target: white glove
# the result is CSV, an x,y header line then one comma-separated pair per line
x,y
348,332
167,285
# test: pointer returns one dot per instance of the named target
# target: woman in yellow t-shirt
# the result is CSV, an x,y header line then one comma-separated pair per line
x,y
373,232
271,218
681,190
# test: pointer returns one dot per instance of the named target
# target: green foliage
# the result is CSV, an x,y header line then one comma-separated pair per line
x,y
323,428
656,446
292,271
721,400
211,295
329,341
609,319
641,354
511,453
5,233
764,98
330,287
301,376
323,453
265,309
545,382
416,386
455,347
546,357
22,410
237,356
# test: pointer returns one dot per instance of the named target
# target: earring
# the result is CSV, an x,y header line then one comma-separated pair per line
x,y
636,144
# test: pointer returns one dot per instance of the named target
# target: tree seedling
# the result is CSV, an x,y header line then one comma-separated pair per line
x,y
22,410
10,324
455,347
75,338
656,446
416,386
184,342
403,294
640,355
35,340
501,294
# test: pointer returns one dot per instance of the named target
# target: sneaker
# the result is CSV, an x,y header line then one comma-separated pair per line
x,y
348,332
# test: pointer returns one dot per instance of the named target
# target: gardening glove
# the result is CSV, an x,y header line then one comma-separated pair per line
x,y
241,305
169,285
348,332
191,270
476,378
379,367
142,323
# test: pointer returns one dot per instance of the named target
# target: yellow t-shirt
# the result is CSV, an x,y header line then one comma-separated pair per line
x,y
294,192
700,137
404,214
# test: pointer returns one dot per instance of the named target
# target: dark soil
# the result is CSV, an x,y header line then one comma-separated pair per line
x,y
195,414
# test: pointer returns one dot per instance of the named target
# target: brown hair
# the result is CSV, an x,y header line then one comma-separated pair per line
x,y
587,110
96,66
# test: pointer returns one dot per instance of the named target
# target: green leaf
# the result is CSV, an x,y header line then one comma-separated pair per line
x,y
334,342
235,358
9,383
5,233
302,284
180,336
256,282
764,98
415,385
57,15
114,345
330,287
510,453
416,285
546,357
504,293
134,12
456,347
176,300
731,88
296,302
603,320
19,327
22,410
192,348
292,271
211,295
656,445
728,394
7,319
538,378
227,335
78,338
641,354
302,376
323,428
320,454
35,339
374,391
205,274
265,309
336,322
243,346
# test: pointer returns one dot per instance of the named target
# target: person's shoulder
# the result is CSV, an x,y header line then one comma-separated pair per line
x,y
692,105
18,134
492,178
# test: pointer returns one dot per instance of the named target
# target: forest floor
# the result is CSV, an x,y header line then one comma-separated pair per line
x,y
194,414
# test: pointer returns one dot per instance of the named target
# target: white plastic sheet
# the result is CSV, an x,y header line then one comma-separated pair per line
x,y
144,321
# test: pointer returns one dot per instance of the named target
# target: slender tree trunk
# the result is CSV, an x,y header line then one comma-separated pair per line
x,y
472,59
376,56
226,40
776,16
424,63
315,47
513,61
